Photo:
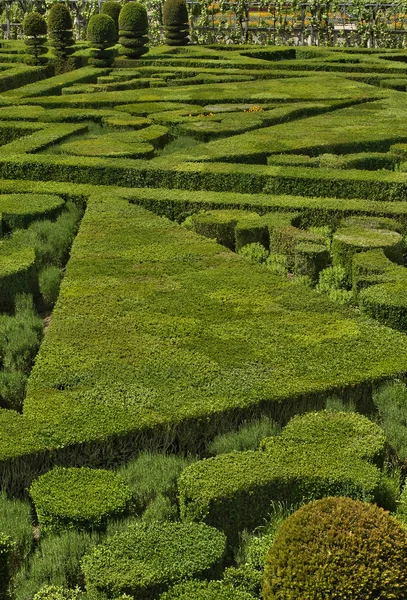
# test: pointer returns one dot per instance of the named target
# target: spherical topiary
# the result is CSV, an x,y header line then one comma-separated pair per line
x,y
337,548
78,497
112,8
60,30
101,33
147,558
35,33
133,29
175,20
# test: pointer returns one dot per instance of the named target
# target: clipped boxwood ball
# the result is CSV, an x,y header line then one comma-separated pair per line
x,y
175,13
78,497
205,590
133,17
59,18
337,548
148,558
34,25
101,30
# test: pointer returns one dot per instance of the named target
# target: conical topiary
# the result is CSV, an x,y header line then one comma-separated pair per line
x,y
60,30
133,29
101,34
35,34
175,20
112,8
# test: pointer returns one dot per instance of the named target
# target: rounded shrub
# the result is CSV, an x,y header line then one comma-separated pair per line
x,y
133,29
148,558
101,34
337,548
175,20
35,34
60,30
78,497
112,9
205,590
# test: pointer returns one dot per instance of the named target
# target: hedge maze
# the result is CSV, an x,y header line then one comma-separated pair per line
x,y
229,225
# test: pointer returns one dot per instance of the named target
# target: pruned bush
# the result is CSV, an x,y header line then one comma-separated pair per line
x,y
35,37
133,30
78,497
337,548
205,590
60,30
112,9
175,20
148,558
101,34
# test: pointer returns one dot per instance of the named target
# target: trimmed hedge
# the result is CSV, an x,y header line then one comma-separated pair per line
x,y
101,33
78,498
133,30
35,33
18,274
112,8
204,590
175,21
337,548
60,30
19,210
148,558
318,454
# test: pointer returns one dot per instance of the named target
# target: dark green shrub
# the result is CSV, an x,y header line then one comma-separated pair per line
x,y
310,259
245,579
49,281
35,37
175,20
148,558
205,590
386,302
15,521
101,34
7,549
337,548
85,498
133,30
60,30
391,402
13,385
112,9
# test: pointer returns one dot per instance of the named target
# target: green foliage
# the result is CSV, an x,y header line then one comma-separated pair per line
x,y
54,592
255,253
175,21
78,497
55,562
337,548
148,558
7,549
101,31
49,280
391,402
15,521
205,590
60,30
112,9
247,437
133,28
35,32
317,454
332,282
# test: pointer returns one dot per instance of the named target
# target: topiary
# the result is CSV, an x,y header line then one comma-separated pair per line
x,y
35,34
101,34
112,9
60,30
205,590
337,548
175,20
78,497
147,558
133,29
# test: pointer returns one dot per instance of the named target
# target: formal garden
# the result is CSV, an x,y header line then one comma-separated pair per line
x,y
203,301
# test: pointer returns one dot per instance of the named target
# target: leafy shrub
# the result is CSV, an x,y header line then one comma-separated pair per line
x,y
54,592
56,561
247,437
112,9
332,282
60,30
175,21
15,521
35,34
101,34
78,497
391,402
245,579
205,590
256,253
7,549
337,548
133,29
147,558
49,281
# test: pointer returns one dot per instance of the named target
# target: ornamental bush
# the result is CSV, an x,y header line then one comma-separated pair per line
x,y
175,20
112,9
78,497
337,548
204,590
133,29
149,557
101,34
35,37
60,30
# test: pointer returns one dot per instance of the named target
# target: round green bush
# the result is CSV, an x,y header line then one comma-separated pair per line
x,y
112,9
59,18
150,557
175,13
133,18
34,25
205,590
101,31
337,548
78,497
